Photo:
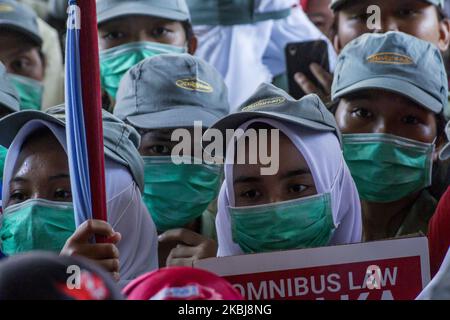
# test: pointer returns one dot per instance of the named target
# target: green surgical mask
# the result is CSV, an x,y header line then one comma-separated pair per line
x,y
36,224
295,224
30,92
115,62
387,168
176,195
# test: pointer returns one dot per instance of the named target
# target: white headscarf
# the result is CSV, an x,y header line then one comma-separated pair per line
x,y
127,213
323,155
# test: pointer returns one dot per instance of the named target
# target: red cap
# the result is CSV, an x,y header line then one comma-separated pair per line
x,y
181,283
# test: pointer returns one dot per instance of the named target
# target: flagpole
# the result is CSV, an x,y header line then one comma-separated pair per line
x,y
84,113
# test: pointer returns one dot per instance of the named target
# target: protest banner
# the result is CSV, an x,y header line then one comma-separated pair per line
x,y
382,270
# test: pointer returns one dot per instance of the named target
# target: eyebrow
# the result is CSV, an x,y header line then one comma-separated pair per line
x,y
295,173
59,176
246,179
162,134
18,179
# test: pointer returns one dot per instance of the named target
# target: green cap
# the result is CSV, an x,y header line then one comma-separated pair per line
x,y
168,9
336,4
20,18
121,140
274,103
395,62
8,95
171,91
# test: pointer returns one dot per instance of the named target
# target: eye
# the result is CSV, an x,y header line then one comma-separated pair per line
x,y
410,120
17,196
63,194
362,113
20,64
406,12
160,149
160,32
297,188
251,194
114,35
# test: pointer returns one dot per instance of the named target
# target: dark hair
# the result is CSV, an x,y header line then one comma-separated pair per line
x,y
189,30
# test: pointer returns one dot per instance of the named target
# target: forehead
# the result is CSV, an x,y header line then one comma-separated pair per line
x,y
285,152
40,150
319,5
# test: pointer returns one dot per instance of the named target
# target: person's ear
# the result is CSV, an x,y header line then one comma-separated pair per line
x,y
192,45
444,35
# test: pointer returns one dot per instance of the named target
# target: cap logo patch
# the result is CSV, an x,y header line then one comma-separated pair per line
x,y
265,103
390,58
6,8
194,85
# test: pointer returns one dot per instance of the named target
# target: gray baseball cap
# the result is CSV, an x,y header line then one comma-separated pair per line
x,y
336,4
8,95
395,62
168,9
274,103
171,91
121,140
20,18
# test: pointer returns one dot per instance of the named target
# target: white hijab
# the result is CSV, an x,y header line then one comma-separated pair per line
x,y
127,213
323,155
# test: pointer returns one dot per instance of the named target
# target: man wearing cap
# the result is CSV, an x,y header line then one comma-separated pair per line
x,y
132,30
423,19
21,52
390,93
157,97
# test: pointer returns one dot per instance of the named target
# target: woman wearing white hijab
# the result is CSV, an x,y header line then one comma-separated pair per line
x,y
127,213
311,129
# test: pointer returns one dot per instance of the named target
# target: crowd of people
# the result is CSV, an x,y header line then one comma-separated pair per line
x,y
364,156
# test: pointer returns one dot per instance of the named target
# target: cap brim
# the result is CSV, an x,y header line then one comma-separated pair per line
x,y
235,120
127,9
12,25
9,102
401,87
11,124
178,117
